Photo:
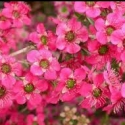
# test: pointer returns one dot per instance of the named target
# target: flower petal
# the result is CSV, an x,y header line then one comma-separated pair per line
x,y
72,48
80,6
36,70
60,43
80,74
8,81
50,75
65,73
33,56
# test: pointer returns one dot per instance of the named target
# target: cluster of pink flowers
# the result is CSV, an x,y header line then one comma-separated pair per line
x,y
76,61
13,16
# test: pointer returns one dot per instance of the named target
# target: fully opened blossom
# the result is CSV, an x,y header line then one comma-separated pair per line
x,y
105,28
18,12
71,82
43,64
9,69
43,38
64,8
95,93
101,53
29,90
91,8
70,35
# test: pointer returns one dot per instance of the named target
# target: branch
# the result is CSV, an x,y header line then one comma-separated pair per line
x,y
22,50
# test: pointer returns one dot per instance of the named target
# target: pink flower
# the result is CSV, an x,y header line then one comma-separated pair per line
x,y
9,68
100,53
29,90
63,8
42,38
118,6
6,97
15,118
118,38
117,101
71,82
69,35
95,94
104,4
18,12
33,120
7,41
43,63
72,62
55,92
112,78
91,8
82,59
105,28
5,23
